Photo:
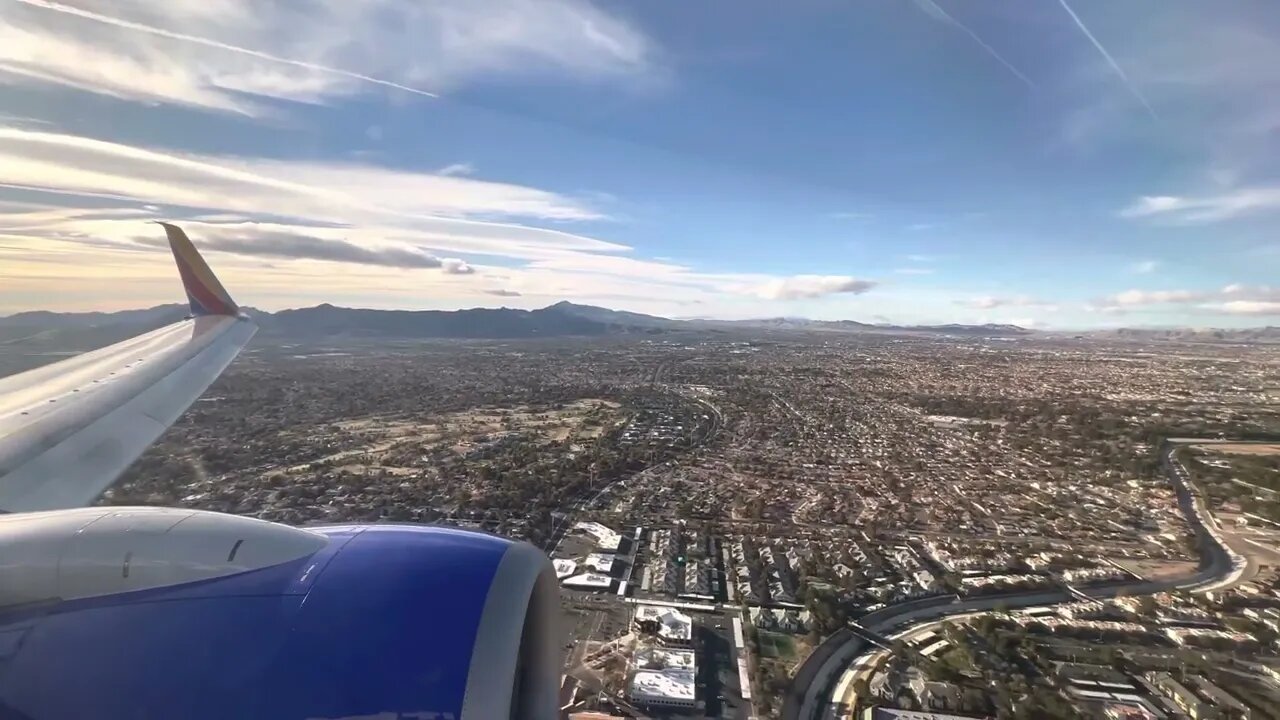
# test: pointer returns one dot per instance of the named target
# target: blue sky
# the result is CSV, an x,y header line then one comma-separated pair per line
x,y
1056,164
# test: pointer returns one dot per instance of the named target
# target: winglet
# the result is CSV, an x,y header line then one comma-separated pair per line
x,y
205,293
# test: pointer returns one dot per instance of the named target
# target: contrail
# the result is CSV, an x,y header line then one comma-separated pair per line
x,y
932,8
130,25
1110,60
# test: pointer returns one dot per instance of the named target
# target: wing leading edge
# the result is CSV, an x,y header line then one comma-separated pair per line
x,y
68,430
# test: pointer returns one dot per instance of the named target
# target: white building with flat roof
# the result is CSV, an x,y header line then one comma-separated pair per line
x,y
663,688
601,562
588,581
564,568
670,625
664,678
659,658
606,538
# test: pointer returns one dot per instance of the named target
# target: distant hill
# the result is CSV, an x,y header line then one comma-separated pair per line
x,y
45,320
41,331
853,326
50,332
612,318
69,331
563,319
1268,334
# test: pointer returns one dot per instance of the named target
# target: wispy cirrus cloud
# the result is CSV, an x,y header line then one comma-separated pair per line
x,y
320,191
1144,267
933,10
124,24
1193,210
229,55
247,241
1111,61
1218,97
1220,108
400,236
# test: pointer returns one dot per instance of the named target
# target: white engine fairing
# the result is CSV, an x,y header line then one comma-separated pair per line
x,y
69,554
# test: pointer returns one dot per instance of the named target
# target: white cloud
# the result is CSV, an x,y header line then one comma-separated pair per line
x,y
1153,205
1106,309
1234,299
808,286
921,258
319,191
1154,297
457,169
985,302
990,302
1247,307
1144,267
1207,208
914,271
454,266
205,53
289,233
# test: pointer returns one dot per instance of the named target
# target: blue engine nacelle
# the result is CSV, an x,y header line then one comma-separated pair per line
x,y
382,621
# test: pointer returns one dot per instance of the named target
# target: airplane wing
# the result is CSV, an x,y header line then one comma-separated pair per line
x,y
68,430
265,620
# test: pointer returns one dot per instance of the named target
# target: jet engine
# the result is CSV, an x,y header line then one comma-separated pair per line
x,y
170,613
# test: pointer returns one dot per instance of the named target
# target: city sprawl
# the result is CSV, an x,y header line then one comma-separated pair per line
x,y
808,525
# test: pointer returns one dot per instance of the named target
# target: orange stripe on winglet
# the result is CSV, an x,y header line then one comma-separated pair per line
x,y
204,292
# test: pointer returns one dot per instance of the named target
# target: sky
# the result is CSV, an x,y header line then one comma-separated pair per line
x,y
1050,163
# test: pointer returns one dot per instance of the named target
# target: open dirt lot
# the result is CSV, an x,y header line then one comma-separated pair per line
x,y
1157,569
372,444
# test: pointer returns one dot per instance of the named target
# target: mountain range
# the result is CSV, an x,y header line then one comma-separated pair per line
x,y
43,331
327,322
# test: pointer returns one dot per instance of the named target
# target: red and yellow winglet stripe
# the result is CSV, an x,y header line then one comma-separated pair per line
x,y
204,291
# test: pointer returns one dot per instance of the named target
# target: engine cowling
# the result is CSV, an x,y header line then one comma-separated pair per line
x,y
372,621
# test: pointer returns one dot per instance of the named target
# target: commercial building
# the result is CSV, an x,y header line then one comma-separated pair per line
x,y
605,538
588,581
664,678
1181,695
600,562
668,624
1224,702
564,568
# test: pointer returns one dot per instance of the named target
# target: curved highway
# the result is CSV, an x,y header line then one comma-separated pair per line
x,y
1219,566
